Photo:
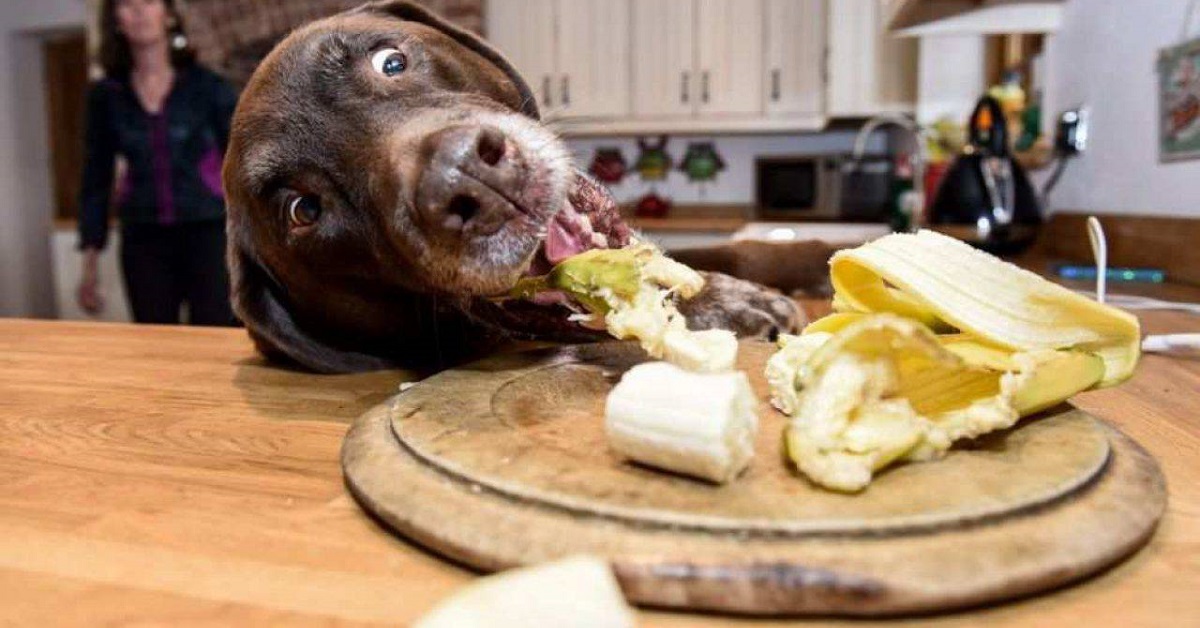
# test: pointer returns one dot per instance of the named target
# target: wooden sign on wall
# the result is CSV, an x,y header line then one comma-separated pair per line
x,y
1179,101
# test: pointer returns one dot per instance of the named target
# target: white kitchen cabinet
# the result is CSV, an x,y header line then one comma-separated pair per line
x,y
697,58
794,65
729,57
870,71
593,58
664,53
573,54
524,31
705,66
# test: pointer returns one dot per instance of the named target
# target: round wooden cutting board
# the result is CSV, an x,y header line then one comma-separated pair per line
x,y
504,463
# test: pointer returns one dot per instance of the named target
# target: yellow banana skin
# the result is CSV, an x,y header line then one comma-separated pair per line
x,y
949,286
1055,382
933,342
884,389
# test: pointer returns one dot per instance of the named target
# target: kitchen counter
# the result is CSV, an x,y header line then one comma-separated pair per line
x,y
165,475
715,223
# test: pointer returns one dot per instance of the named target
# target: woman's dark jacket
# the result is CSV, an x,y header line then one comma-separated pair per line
x,y
174,156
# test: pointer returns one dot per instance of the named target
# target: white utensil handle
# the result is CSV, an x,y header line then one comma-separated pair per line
x,y
1185,344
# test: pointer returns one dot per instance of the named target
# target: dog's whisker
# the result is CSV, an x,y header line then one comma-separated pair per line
x,y
525,101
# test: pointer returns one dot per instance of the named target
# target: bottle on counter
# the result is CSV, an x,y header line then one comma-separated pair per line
x,y
904,198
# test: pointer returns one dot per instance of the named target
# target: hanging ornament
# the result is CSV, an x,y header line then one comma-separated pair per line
x,y
701,162
653,162
652,206
608,165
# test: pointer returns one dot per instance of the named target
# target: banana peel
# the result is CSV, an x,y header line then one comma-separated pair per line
x,y
950,287
931,342
884,389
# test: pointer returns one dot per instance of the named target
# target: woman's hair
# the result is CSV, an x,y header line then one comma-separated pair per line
x,y
115,56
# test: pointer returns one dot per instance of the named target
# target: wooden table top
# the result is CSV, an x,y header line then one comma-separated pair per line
x,y
166,475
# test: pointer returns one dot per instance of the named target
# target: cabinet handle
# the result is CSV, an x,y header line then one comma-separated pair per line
x,y
825,65
704,87
775,85
546,99
566,90
683,90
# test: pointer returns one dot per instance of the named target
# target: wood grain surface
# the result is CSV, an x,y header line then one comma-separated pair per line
x,y
158,475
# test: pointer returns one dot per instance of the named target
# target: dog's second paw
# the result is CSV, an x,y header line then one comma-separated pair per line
x,y
748,309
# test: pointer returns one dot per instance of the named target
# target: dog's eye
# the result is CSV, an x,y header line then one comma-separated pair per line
x,y
389,61
304,210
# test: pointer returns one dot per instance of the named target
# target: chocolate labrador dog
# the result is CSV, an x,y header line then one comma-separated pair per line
x,y
387,176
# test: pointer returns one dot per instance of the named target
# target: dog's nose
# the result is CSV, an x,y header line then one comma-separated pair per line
x,y
464,178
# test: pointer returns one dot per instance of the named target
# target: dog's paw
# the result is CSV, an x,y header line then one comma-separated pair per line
x,y
748,309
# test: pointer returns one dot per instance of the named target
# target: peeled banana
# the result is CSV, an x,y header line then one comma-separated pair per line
x,y
934,342
697,424
579,591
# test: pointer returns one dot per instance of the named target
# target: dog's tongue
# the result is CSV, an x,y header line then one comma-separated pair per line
x,y
566,236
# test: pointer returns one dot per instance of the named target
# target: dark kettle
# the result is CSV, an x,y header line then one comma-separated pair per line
x,y
986,192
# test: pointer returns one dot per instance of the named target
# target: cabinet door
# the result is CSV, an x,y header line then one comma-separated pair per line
x,y
593,58
523,30
795,57
870,71
729,52
665,84
896,62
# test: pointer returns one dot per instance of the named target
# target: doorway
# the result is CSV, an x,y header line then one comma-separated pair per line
x,y
65,75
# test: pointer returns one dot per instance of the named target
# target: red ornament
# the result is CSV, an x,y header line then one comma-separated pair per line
x,y
652,206
608,166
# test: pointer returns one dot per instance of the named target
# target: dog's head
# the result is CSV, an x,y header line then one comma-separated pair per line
x,y
384,153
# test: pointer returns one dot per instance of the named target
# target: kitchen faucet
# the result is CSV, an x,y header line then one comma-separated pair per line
x,y
920,156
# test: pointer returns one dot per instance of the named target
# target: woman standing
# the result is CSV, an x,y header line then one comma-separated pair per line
x,y
169,118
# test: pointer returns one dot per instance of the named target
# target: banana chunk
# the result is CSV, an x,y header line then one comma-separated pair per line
x,y
630,292
579,591
708,351
697,424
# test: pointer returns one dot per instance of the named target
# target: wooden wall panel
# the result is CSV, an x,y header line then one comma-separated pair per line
x,y
1168,242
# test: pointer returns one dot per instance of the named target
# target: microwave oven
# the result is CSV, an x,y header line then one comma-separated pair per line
x,y
824,188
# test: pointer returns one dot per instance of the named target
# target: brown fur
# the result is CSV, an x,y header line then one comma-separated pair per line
x,y
800,269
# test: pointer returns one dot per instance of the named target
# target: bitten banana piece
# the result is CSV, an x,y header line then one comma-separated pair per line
x,y
580,591
708,351
630,293
697,424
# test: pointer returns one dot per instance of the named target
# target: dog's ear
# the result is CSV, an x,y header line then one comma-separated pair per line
x,y
414,13
261,304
